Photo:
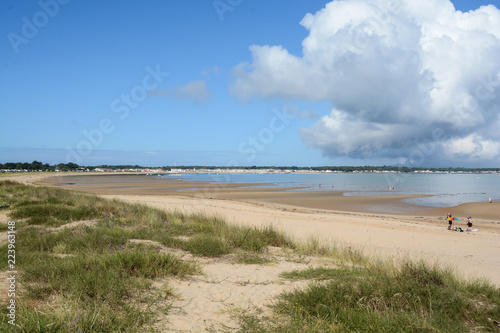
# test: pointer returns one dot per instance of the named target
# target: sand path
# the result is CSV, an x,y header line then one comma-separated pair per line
x,y
227,289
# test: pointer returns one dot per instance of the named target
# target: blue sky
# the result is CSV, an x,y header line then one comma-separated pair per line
x,y
232,82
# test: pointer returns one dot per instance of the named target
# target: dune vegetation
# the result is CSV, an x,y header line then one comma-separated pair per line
x,y
88,264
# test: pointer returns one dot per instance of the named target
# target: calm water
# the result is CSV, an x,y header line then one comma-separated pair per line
x,y
446,189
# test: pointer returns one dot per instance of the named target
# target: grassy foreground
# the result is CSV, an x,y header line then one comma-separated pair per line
x,y
79,271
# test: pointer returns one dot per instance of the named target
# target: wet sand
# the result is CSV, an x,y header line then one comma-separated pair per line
x,y
133,184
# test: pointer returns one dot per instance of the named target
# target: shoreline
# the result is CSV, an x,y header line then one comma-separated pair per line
x,y
390,236
332,200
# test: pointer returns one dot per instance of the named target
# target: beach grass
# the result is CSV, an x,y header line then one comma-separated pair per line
x,y
408,297
80,271
249,258
93,265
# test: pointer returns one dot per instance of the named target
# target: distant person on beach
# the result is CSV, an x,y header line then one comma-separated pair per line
x,y
469,223
489,199
450,220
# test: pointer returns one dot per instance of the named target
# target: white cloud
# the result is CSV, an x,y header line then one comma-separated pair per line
x,y
394,71
473,145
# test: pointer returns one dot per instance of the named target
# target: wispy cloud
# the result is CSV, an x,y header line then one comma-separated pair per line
x,y
196,91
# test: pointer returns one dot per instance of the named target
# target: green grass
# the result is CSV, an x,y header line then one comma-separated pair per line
x,y
320,273
89,277
411,297
206,245
109,277
249,258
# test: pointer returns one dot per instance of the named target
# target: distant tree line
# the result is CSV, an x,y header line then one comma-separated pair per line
x,y
39,166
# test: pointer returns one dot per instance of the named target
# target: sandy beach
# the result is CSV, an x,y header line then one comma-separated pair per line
x,y
327,217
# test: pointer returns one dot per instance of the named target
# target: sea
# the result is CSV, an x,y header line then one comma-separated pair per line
x,y
442,189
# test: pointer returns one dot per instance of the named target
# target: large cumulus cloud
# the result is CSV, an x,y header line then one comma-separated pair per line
x,y
399,74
